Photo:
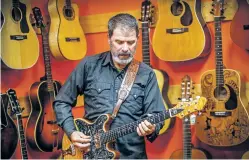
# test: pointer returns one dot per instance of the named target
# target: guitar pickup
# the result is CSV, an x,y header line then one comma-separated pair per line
x,y
18,37
246,27
176,30
221,114
72,39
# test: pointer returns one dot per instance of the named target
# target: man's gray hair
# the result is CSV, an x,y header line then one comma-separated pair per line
x,y
123,20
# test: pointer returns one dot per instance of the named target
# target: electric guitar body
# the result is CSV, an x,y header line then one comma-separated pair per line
x,y
19,43
180,33
66,36
240,25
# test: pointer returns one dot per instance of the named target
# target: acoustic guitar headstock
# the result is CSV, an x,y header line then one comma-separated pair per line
x,y
146,11
218,8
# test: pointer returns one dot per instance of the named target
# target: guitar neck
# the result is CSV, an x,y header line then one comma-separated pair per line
x,y
15,3
46,56
22,136
145,42
131,127
68,3
218,52
187,146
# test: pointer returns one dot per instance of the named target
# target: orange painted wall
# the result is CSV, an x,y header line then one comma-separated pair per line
x,y
234,58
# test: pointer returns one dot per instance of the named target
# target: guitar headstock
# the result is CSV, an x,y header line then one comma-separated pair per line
x,y
14,103
186,88
146,15
38,17
218,8
192,106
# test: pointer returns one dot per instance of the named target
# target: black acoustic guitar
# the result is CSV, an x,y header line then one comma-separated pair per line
x,y
9,136
17,110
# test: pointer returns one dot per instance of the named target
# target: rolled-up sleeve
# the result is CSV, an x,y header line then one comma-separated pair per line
x,y
153,103
67,98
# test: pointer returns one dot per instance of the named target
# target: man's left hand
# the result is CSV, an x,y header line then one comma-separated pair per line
x,y
145,128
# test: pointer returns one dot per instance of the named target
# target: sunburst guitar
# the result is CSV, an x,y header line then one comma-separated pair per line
x,y
162,77
180,33
224,120
19,43
66,37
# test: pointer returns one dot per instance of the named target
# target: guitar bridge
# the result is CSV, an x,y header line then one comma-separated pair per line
x,y
72,39
18,37
221,114
176,30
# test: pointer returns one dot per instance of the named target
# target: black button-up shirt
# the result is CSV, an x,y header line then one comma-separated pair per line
x,y
97,78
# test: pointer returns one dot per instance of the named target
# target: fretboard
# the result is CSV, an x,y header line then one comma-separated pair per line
x,y
218,52
68,3
22,137
15,3
46,56
145,43
131,127
187,146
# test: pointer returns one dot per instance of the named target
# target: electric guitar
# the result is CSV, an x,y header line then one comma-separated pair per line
x,y
102,137
43,133
180,33
240,25
19,43
66,37
162,77
224,120
188,152
9,136
17,110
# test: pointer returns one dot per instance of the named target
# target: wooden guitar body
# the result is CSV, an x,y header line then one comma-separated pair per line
x,y
240,25
245,155
9,136
19,43
66,36
163,83
224,120
179,33
195,154
40,129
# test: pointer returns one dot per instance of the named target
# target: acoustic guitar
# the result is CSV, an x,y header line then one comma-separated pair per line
x,y
17,110
19,43
224,120
102,137
188,152
66,37
180,33
9,136
43,133
239,30
162,77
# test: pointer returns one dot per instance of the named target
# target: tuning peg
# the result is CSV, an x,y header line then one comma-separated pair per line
x,y
198,97
211,12
199,113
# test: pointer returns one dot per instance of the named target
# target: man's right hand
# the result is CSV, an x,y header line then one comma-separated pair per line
x,y
81,141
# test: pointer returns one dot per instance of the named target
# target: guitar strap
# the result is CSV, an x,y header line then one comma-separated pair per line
x,y
126,85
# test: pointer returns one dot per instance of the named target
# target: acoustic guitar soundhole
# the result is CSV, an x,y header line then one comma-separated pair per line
x,y
221,93
176,8
68,13
16,14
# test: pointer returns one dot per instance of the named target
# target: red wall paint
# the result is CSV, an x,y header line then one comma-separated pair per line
x,y
234,58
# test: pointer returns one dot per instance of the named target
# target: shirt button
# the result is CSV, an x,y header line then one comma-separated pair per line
x,y
99,89
135,95
116,91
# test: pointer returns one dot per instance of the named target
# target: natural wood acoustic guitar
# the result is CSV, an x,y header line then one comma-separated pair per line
x,y
240,25
43,133
66,36
180,33
224,120
162,77
188,152
19,43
